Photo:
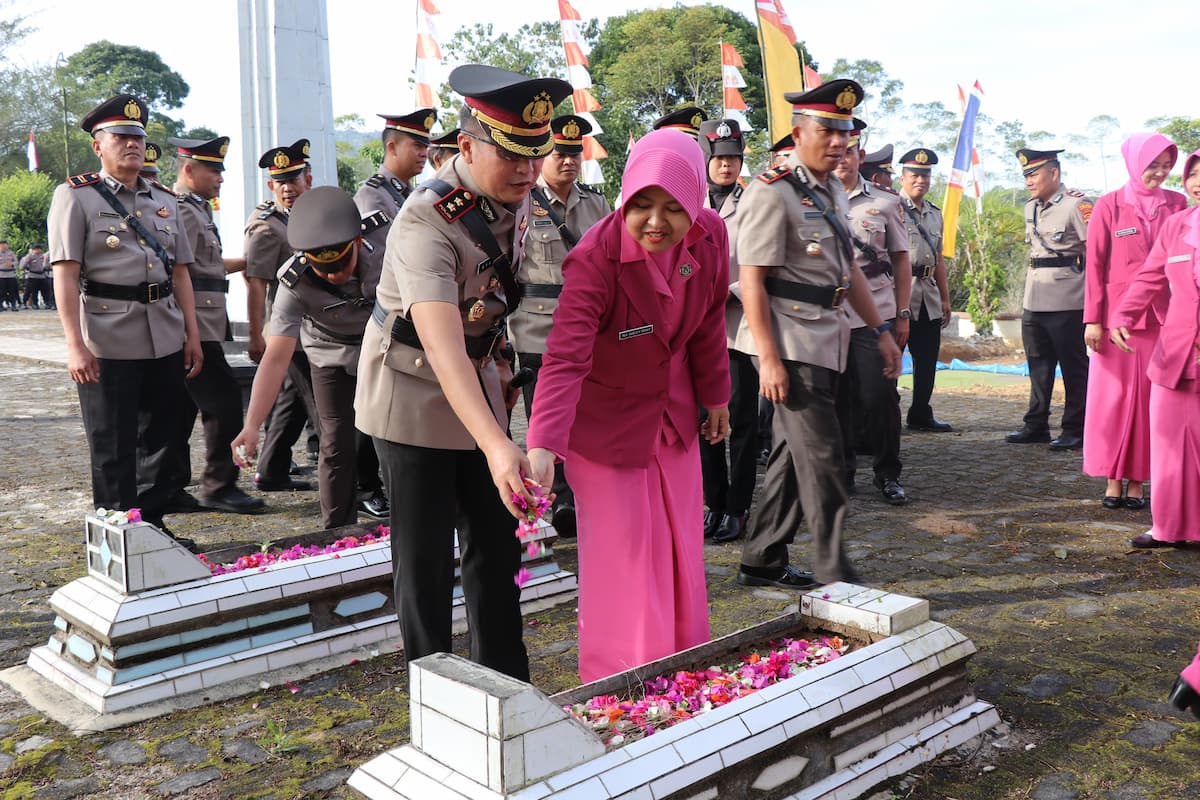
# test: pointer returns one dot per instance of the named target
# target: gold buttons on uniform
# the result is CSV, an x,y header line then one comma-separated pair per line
x,y
795,308
104,308
208,302
137,214
141,241
541,307
420,362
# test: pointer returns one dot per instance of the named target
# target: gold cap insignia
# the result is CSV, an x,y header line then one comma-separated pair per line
x,y
428,123
921,157
281,160
724,131
224,149
697,118
1024,159
846,99
539,111
571,130
304,149
132,111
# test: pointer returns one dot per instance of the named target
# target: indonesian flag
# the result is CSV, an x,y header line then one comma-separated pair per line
x,y
31,153
429,54
582,98
731,77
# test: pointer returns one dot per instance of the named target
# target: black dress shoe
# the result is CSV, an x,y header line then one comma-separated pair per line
x,y
1185,698
235,501
181,503
712,521
563,520
732,528
1029,436
188,544
893,492
1112,502
1135,503
930,425
764,457
787,577
375,505
1067,441
285,485
1146,541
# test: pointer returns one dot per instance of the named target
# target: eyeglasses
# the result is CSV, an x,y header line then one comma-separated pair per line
x,y
512,158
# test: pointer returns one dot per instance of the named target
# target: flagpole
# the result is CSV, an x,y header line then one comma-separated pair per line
x,y
767,94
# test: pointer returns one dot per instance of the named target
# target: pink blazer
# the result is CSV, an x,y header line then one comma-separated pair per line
x,y
1117,245
1170,263
609,372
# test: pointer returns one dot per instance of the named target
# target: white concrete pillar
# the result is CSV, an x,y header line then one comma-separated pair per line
x,y
284,94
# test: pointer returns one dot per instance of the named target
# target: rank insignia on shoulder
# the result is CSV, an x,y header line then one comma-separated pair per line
x,y
375,181
374,221
1076,193
737,191
83,179
591,189
455,204
773,174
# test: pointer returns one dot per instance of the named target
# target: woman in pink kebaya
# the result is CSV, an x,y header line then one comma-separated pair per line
x,y
1123,228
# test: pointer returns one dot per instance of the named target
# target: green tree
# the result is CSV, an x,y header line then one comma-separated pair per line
x,y
935,127
1183,131
103,69
24,205
881,92
991,257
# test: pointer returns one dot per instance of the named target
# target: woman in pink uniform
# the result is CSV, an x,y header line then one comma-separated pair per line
x,y
1173,371
1124,225
1185,695
637,348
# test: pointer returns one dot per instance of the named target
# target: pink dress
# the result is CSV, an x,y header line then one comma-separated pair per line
x,y
1116,431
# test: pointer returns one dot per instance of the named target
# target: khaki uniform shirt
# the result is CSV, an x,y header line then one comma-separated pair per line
x,y
545,250
83,227
1057,227
196,215
374,196
266,248
8,264
924,290
399,398
877,221
733,305
33,264
329,327
779,230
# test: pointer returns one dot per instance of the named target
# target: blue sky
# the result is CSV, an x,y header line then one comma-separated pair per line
x,y
1052,65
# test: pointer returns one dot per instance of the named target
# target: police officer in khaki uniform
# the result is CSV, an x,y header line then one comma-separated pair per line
x,y
930,306
36,267
442,147
10,295
428,389
214,391
266,249
797,266
120,260
782,150
405,148
1052,322
561,211
881,241
324,301
877,168
686,119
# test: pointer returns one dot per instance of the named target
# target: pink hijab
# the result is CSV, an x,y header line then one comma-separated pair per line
x,y
672,160
1139,151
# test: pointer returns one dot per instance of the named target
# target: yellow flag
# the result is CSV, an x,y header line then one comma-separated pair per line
x,y
781,65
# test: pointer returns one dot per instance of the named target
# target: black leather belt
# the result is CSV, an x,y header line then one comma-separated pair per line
x,y
404,332
923,272
142,293
352,340
210,285
877,268
825,296
1056,261
546,290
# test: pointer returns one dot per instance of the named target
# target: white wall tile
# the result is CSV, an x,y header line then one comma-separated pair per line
x,y
710,740
641,771
450,742
458,701
752,746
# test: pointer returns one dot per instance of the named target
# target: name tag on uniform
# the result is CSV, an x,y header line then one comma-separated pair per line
x,y
812,214
1177,259
633,332
537,223
1125,232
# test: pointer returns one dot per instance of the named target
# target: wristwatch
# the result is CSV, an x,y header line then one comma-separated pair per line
x,y
885,327
904,313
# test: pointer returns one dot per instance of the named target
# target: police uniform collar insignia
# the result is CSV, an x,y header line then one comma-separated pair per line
x,y
486,209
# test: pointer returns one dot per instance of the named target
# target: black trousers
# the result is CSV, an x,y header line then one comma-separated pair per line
x,y
864,392
215,393
803,472
1053,339
131,419
294,406
562,489
729,489
36,285
434,491
333,391
10,292
369,480
924,341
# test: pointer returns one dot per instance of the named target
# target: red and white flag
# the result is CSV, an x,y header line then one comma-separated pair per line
x,y
31,153
731,78
582,98
429,55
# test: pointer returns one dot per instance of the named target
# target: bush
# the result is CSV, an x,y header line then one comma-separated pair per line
x,y
24,205
991,258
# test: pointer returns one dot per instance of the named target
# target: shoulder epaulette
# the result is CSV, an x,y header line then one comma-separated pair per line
x,y
375,181
83,179
374,221
1074,193
591,189
773,174
292,271
935,206
737,192
455,203
265,209
158,185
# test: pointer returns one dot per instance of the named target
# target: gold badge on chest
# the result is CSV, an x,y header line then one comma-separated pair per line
x,y
478,309
112,242
163,212
814,249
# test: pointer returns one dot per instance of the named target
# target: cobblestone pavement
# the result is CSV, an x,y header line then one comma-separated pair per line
x,y
1079,638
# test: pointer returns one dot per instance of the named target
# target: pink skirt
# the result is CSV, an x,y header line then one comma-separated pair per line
x,y
1191,673
642,591
1175,464
1116,430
